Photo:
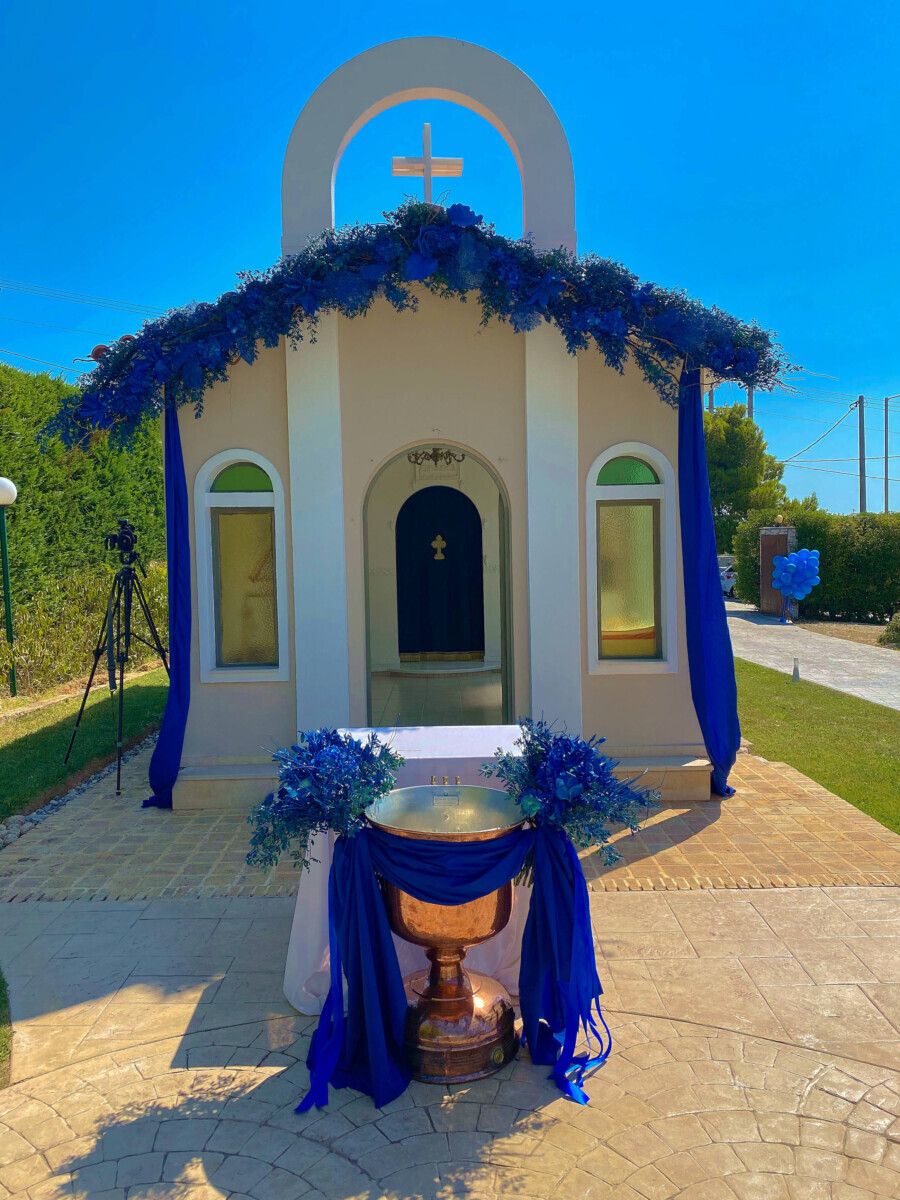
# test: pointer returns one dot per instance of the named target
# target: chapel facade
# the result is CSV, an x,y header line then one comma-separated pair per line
x,y
422,521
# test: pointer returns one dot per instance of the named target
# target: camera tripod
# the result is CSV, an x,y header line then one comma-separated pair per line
x,y
116,635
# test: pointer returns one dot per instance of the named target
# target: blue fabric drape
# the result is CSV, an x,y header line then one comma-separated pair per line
x,y
558,984
710,657
166,758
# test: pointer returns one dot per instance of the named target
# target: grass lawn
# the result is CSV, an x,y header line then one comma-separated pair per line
x,y
848,745
5,1034
32,746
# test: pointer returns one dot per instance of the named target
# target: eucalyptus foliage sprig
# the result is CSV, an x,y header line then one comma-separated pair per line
x,y
325,783
565,782
594,302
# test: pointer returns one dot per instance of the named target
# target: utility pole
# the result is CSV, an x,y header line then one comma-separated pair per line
x,y
886,508
711,399
861,411
750,390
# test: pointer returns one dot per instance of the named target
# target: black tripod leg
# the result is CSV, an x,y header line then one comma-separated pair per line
x,y
119,730
145,609
123,644
98,654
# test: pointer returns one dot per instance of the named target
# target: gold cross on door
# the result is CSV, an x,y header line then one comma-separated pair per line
x,y
439,545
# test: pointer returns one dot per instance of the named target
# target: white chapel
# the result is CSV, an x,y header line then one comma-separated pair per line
x,y
420,521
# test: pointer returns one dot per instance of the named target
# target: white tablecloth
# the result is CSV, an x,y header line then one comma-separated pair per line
x,y
443,750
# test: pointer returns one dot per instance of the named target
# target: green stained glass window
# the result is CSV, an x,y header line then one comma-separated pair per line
x,y
242,477
624,470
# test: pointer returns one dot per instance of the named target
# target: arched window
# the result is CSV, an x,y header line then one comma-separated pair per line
x,y
241,569
631,561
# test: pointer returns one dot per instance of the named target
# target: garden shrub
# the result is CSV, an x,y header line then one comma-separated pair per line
x,y
860,560
56,630
70,498
891,635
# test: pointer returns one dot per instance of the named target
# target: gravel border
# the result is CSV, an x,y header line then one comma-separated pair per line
x,y
14,827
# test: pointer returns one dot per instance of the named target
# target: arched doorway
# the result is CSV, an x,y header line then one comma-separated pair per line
x,y
440,578
438,619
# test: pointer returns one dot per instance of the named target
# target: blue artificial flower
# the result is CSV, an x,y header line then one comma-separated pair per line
x,y
419,266
463,216
746,361
546,290
93,409
611,322
305,294
523,319
643,296
433,239
721,358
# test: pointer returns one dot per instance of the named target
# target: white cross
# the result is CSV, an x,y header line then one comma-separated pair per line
x,y
426,166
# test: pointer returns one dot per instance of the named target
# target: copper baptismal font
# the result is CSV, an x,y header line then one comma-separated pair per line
x,y
460,1024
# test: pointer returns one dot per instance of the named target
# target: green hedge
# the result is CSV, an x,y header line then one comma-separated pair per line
x,y
860,561
56,630
70,498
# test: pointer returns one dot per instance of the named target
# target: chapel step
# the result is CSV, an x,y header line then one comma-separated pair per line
x,y
681,779
227,786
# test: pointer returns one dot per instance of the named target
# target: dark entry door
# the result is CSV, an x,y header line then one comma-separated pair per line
x,y
440,577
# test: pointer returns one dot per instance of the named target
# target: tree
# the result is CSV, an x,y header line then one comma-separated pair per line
x,y
69,498
742,474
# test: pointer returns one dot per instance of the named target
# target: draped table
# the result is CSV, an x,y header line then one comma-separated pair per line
x,y
341,937
439,750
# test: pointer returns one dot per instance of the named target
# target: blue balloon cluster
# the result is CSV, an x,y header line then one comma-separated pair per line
x,y
796,575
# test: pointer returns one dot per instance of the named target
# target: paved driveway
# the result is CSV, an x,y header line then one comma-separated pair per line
x,y
865,671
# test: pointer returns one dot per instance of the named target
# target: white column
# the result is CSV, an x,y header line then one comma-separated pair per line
x,y
554,604
317,530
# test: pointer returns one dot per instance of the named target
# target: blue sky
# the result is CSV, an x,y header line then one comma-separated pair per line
x,y
748,153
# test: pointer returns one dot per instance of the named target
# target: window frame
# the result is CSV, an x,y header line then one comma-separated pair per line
x,y
205,501
664,494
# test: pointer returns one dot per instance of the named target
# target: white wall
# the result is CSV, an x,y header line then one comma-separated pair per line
x,y
394,486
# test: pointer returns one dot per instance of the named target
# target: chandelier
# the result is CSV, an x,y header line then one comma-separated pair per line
x,y
436,455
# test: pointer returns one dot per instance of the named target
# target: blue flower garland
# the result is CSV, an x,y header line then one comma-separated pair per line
x,y
592,301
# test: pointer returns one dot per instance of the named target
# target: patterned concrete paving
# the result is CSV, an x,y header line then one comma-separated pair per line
x,y
869,672
757,1022
779,830
757,1057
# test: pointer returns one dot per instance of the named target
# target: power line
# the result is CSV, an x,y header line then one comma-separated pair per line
x,y
850,474
47,293
827,460
824,435
44,325
789,417
43,362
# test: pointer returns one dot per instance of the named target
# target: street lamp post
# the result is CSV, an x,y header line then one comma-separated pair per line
x,y
8,494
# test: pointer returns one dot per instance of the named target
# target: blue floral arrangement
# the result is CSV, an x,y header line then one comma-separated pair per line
x,y
452,252
325,783
566,783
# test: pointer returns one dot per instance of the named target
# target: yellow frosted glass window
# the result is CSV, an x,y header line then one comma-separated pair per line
x,y
628,578
244,558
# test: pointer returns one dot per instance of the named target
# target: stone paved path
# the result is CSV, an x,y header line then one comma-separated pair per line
x,y
779,830
869,672
757,1058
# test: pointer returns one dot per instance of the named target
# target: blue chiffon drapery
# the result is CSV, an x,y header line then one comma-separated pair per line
x,y
166,758
710,658
559,990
